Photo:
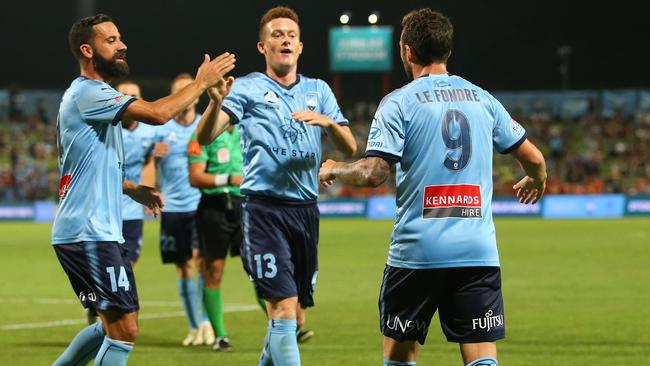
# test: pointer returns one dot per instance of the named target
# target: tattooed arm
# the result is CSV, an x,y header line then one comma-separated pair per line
x,y
371,171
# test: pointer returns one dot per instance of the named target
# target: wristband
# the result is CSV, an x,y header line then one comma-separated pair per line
x,y
221,180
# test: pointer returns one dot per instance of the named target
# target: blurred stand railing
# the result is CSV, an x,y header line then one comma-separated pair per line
x,y
601,206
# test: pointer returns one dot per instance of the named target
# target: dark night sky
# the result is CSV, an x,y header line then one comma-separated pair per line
x,y
499,45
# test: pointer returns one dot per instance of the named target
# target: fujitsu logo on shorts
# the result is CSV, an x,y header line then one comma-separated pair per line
x,y
452,200
406,326
488,322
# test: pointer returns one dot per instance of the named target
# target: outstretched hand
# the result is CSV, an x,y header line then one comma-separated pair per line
x,y
529,190
325,175
211,73
221,90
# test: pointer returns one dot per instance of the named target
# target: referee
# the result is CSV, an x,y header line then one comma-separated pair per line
x,y
217,170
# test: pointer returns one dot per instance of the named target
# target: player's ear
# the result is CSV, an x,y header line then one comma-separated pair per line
x,y
299,48
260,47
86,50
410,55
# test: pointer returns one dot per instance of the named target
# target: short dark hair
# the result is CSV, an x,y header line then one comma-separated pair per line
x,y
430,34
278,12
82,32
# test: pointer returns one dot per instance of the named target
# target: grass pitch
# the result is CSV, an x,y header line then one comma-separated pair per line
x,y
576,293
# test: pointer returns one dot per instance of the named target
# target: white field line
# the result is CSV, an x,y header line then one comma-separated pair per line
x,y
174,314
52,301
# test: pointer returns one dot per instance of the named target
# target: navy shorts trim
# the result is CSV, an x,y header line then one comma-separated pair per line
x,y
280,251
281,202
218,220
177,236
468,298
100,274
132,233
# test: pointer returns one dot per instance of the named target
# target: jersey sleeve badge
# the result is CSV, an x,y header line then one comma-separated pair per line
x,y
194,148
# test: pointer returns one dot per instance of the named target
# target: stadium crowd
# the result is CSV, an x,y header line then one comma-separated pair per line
x,y
585,156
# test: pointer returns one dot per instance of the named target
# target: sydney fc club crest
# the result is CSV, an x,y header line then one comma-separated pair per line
x,y
311,100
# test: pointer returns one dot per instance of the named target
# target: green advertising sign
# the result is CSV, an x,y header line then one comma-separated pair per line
x,y
361,48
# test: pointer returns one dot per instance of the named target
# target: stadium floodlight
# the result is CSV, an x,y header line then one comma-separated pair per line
x,y
345,18
373,17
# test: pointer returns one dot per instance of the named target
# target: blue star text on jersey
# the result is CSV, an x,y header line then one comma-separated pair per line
x,y
292,152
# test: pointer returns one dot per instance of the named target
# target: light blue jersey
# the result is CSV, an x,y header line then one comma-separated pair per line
x,y
138,146
440,130
91,163
174,168
281,155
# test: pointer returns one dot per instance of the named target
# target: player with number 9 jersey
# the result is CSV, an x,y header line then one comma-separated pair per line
x,y
440,132
445,216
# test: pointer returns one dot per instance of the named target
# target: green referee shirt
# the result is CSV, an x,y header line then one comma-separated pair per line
x,y
222,156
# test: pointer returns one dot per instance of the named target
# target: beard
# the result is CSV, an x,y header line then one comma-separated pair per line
x,y
111,68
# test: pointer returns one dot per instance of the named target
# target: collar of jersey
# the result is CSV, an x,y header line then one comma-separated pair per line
x,y
434,75
286,87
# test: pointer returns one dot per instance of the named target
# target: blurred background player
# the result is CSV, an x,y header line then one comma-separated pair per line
x,y
217,170
178,236
87,230
440,131
139,167
282,118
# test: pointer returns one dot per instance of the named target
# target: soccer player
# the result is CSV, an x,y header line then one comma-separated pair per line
x,y
87,230
178,236
217,170
439,132
282,117
139,167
